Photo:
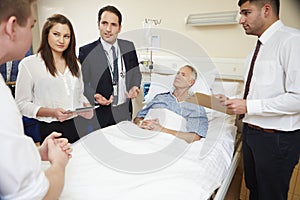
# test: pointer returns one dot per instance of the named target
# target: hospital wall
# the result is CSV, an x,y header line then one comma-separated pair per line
x,y
222,41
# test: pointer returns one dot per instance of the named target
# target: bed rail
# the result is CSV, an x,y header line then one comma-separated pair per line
x,y
222,191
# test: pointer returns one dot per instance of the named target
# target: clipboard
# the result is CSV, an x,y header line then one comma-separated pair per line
x,y
208,101
83,109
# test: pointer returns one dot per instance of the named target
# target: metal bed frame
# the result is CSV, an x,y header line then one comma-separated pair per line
x,y
221,192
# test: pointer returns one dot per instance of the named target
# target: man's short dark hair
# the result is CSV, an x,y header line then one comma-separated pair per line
x,y
274,3
21,9
110,9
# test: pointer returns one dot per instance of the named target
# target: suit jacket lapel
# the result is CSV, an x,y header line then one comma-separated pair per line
x,y
123,52
99,71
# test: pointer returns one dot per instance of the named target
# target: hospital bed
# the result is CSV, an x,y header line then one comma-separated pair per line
x,y
124,161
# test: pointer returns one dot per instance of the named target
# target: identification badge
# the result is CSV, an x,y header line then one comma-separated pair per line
x,y
115,87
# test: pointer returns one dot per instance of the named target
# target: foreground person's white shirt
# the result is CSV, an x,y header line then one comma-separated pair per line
x,y
20,167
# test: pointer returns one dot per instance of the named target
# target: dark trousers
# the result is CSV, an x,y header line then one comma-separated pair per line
x,y
109,115
269,160
31,128
71,129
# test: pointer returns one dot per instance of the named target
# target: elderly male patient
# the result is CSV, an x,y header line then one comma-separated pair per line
x,y
195,116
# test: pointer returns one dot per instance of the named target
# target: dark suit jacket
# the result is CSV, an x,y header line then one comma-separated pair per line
x,y
97,78
14,69
13,73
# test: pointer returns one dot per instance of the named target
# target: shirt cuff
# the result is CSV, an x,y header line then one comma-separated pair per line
x,y
36,110
254,107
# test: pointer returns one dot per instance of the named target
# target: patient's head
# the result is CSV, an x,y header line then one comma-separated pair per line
x,y
185,77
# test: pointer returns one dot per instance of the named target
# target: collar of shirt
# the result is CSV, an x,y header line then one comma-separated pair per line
x,y
270,31
107,46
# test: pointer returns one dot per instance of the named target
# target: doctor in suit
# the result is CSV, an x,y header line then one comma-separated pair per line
x,y
9,71
110,71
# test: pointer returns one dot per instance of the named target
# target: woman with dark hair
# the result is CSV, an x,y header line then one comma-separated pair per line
x,y
50,82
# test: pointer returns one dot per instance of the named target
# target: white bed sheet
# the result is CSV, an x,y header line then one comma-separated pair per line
x,y
112,164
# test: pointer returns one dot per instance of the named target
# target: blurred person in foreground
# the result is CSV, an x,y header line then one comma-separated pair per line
x,y
20,167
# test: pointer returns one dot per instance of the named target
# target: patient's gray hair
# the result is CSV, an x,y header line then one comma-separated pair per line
x,y
194,72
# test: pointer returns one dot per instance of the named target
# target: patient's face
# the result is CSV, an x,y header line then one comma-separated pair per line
x,y
183,78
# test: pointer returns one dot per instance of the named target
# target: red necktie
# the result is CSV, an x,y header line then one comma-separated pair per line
x,y
115,63
250,73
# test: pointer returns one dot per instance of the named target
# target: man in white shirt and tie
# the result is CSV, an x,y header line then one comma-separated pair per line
x,y
270,110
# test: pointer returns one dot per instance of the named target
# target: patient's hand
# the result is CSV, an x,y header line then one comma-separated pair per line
x,y
151,124
138,120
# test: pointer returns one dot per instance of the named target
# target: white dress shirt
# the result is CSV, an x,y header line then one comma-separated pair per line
x,y
121,68
36,88
20,166
273,101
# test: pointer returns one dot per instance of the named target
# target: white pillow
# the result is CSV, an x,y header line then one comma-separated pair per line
x,y
227,88
210,77
201,85
159,84
164,83
167,118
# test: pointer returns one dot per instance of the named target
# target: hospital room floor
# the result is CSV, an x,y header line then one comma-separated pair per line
x,y
294,192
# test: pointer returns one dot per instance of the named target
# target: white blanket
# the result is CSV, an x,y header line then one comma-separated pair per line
x,y
128,163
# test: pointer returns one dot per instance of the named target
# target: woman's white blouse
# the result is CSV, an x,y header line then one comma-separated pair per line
x,y
36,88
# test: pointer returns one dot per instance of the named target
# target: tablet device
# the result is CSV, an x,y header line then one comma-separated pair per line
x,y
83,109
